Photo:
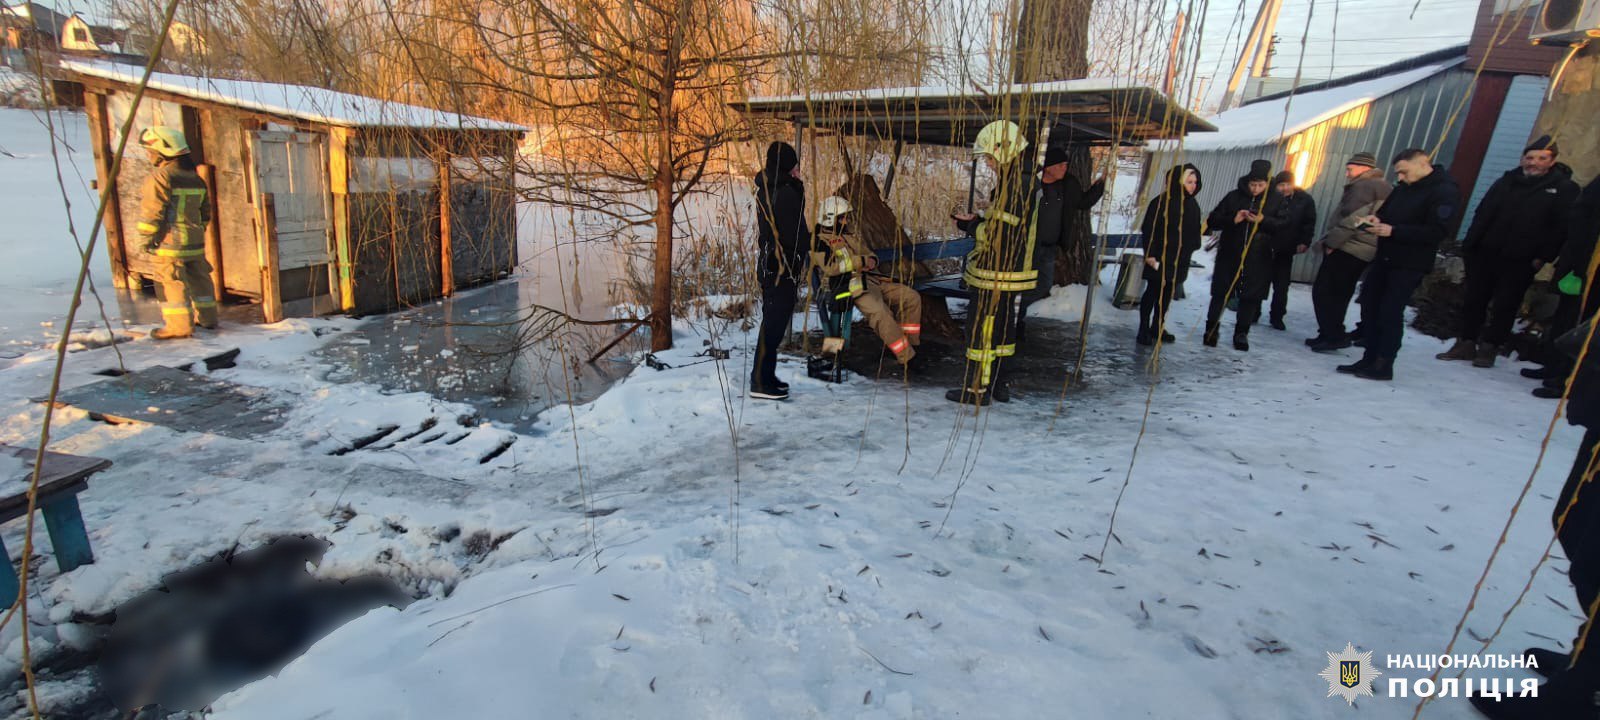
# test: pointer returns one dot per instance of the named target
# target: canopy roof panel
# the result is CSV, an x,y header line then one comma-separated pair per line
x,y
1093,110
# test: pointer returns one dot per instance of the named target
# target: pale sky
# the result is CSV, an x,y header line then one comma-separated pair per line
x,y
1368,34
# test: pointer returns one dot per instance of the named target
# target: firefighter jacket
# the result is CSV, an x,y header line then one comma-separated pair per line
x,y
1002,259
842,260
173,213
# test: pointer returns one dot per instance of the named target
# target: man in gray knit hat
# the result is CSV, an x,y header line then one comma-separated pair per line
x,y
1346,248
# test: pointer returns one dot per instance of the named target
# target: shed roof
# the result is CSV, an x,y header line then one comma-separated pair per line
x,y
1269,120
1100,109
295,101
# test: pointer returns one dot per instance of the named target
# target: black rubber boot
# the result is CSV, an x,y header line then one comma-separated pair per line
x,y
1355,367
1380,369
1486,355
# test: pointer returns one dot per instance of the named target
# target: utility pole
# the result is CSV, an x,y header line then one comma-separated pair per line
x,y
1255,44
1169,83
1262,67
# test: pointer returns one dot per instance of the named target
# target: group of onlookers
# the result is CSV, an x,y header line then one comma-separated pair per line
x,y
1390,235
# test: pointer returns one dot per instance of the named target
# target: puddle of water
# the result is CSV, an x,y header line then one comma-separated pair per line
x,y
229,622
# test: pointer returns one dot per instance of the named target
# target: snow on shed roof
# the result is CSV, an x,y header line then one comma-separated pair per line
x,y
1104,109
1263,123
296,101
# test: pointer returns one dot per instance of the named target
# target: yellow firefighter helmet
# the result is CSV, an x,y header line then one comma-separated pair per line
x,y
167,142
831,208
1001,140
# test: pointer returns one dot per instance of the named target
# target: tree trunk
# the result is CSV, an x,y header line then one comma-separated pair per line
x,y
665,179
661,292
1053,44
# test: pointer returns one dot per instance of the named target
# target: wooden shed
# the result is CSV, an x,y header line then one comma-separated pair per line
x,y
322,201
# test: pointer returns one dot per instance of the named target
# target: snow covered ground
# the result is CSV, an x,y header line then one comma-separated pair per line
x,y
673,549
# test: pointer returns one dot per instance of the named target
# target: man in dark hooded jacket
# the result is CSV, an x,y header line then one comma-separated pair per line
x,y
1296,226
783,239
1172,222
1418,215
1245,216
1519,228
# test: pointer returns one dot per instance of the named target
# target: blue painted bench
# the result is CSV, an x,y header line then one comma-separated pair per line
x,y
951,285
63,477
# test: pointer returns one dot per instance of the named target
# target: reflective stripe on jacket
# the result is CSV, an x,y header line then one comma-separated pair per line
x,y
173,213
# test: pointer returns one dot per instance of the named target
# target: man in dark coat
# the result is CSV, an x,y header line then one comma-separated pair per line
x,y
1061,198
1245,216
1518,228
1171,221
1572,279
783,238
1296,226
1409,227
1574,687
1346,250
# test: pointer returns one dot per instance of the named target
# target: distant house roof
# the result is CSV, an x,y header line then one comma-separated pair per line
x,y
1098,108
294,101
43,19
1268,120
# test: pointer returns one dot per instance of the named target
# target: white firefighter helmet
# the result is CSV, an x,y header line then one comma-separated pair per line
x,y
831,208
1001,140
166,141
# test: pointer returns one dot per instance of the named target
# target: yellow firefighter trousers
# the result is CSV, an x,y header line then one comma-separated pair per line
x,y
881,304
186,294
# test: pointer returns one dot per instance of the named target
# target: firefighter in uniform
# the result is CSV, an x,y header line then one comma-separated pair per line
x,y
1001,264
894,311
173,214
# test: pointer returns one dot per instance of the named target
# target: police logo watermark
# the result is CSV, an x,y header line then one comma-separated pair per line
x,y
1350,674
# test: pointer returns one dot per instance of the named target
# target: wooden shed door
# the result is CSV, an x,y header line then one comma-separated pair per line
x,y
292,167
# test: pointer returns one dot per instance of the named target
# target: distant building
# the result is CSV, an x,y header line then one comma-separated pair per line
x,y
1314,129
1258,87
31,27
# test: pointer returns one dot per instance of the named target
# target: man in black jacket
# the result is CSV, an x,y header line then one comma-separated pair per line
x,y
782,241
1518,228
1574,687
1409,227
1061,198
1246,218
1296,220
1575,303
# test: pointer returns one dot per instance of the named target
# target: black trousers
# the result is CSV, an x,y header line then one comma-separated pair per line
x,y
1580,540
1384,296
777,312
1183,266
1045,262
991,324
1254,283
1282,270
1495,286
1159,286
1331,293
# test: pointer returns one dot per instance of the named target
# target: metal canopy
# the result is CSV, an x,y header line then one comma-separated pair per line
x,y
1090,111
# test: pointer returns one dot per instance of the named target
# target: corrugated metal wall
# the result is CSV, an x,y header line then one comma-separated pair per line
x,y
1415,116
1510,136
